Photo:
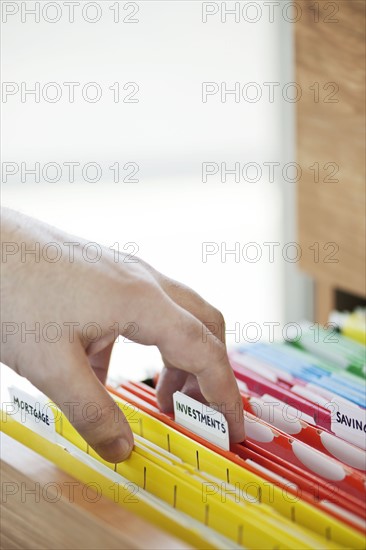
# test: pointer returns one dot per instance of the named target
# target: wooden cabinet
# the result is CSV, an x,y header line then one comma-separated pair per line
x,y
330,71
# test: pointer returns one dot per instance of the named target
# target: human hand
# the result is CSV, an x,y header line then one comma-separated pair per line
x,y
109,297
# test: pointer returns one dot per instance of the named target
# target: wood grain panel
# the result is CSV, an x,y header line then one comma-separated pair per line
x,y
58,515
332,130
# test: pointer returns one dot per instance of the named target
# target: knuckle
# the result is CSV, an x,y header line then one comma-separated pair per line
x,y
215,322
218,316
195,304
136,281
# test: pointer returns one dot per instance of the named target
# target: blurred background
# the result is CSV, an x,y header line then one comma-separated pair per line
x,y
151,141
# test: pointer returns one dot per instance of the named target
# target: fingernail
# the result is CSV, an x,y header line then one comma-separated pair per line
x,y
116,451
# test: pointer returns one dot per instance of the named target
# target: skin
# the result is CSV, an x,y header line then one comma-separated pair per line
x,y
112,293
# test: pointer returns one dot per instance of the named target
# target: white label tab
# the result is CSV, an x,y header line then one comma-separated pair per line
x,y
201,420
348,421
32,410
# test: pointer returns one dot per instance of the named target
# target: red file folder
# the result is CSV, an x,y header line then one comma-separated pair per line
x,y
311,490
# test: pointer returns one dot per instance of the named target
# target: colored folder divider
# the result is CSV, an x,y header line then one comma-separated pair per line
x,y
307,481
182,489
266,486
349,455
290,365
332,346
287,419
307,462
301,364
298,453
315,408
122,491
190,476
150,429
352,325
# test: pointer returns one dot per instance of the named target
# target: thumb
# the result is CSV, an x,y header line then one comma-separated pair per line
x,y
91,410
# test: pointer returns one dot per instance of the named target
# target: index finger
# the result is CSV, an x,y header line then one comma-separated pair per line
x,y
188,345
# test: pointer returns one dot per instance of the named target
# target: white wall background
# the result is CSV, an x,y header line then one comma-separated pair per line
x,y
168,133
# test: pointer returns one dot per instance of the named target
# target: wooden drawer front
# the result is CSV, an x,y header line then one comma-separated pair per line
x,y
331,141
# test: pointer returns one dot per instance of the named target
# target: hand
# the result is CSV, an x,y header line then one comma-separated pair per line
x,y
81,307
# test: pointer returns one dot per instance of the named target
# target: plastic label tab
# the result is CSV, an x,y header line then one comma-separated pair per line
x,y
349,422
201,420
34,411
